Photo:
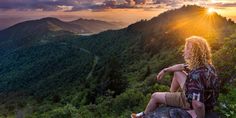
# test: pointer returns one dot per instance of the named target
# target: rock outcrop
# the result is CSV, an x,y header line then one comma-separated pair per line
x,y
173,112
168,112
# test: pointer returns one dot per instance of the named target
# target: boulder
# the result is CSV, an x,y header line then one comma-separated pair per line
x,y
174,112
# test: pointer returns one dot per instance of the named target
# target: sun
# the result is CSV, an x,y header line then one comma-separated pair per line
x,y
211,10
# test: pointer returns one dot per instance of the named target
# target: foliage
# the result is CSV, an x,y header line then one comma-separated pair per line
x,y
227,103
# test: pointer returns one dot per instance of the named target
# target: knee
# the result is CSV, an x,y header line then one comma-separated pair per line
x,y
154,95
158,97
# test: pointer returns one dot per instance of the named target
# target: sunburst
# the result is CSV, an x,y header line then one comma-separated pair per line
x,y
211,10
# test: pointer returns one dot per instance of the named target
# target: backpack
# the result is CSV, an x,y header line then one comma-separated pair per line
x,y
212,88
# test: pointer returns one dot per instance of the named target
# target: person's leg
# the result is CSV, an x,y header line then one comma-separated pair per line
x,y
192,113
199,108
156,99
160,97
178,80
176,99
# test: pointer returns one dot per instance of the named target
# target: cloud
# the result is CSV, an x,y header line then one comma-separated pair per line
x,y
69,5
136,2
130,2
97,5
45,5
65,8
115,4
73,5
220,4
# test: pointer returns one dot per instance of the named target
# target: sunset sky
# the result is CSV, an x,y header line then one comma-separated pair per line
x,y
126,11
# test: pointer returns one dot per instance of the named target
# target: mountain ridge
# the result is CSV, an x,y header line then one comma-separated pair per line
x,y
46,29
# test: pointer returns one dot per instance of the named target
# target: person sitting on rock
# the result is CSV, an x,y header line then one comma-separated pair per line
x,y
197,80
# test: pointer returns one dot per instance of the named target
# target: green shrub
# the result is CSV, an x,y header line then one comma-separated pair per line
x,y
67,111
227,103
129,100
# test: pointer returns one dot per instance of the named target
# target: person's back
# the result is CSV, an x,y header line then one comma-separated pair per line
x,y
202,85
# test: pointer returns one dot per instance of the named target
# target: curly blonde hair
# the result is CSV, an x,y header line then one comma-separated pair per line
x,y
200,53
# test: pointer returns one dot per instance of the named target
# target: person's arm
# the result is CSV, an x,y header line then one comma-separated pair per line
x,y
177,67
199,108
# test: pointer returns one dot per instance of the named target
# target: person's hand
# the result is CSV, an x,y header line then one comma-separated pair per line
x,y
160,75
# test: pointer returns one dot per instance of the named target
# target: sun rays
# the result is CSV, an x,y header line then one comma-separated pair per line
x,y
211,10
204,22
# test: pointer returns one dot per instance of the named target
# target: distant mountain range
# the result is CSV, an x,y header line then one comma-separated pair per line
x,y
79,26
95,26
46,26
45,29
